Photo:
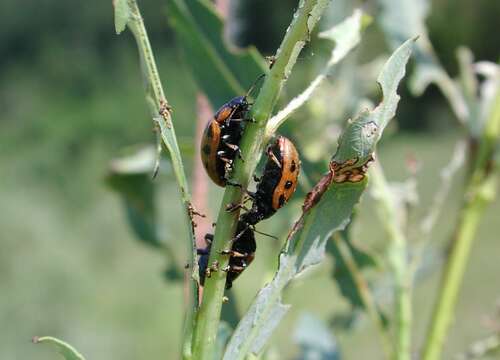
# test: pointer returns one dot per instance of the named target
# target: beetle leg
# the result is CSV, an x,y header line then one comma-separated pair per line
x,y
202,251
232,183
256,178
234,148
226,160
237,269
233,253
234,207
273,157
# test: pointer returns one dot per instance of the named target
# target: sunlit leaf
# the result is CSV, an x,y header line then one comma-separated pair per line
x,y
346,36
361,134
122,15
221,73
65,349
306,243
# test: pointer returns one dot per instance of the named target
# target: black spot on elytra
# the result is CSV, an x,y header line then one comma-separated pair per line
x,y
206,149
293,167
288,184
281,200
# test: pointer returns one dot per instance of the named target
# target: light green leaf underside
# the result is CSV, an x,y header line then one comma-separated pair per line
x,y
65,349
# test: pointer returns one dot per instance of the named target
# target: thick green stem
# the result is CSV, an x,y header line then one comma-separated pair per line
x,y
306,16
398,261
479,192
365,293
160,111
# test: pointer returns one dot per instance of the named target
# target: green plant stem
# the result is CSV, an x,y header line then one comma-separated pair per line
x,y
160,112
365,293
306,16
480,191
398,261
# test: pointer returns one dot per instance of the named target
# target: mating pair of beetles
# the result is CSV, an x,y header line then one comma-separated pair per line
x,y
219,148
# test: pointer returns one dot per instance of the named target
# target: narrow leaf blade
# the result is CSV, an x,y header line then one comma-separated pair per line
x,y
65,349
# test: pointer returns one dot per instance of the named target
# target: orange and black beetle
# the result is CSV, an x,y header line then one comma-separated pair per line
x,y
278,182
219,144
241,255
220,141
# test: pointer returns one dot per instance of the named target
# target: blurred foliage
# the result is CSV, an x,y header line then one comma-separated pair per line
x,y
70,100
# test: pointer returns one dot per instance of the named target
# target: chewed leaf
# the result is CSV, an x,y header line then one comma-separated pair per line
x,y
219,72
403,19
65,349
346,36
327,209
362,134
122,15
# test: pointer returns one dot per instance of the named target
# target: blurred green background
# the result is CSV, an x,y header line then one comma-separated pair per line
x,y
71,97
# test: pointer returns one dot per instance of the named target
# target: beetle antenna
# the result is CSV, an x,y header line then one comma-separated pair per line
x,y
265,234
254,84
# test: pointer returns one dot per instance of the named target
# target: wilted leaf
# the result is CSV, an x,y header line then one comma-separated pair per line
x,y
122,15
220,72
315,339
131,178
305,245
65,349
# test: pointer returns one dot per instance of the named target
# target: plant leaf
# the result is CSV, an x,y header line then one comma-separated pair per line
x,y
304,249
223,335
346,36
306,242
122,15
130,177
65,349
315,339
360,136
340,271
403,19
221,73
